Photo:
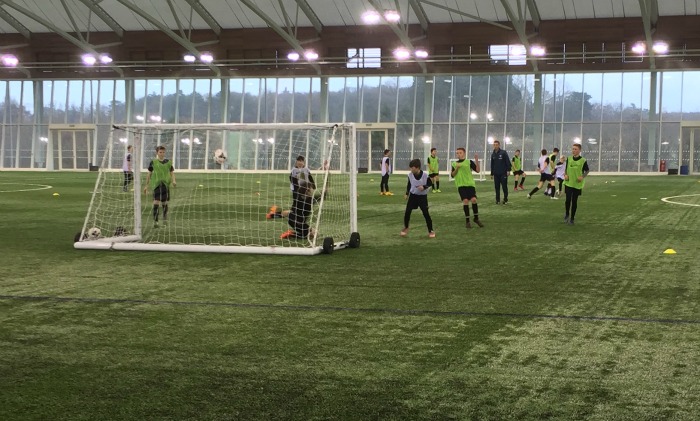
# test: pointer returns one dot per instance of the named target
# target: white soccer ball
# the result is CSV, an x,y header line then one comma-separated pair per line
x,y
219,156
94,233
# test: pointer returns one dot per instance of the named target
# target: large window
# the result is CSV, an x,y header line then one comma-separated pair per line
x,y
626,121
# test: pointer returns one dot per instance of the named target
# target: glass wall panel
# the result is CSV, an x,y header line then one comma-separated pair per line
x,y
105,102
406,99
235,101
153,102
202,101
285,100
268,100
75,102
499,91
440,141
315,110
691,100
185,100
476,140
302,100
461,99
479,107
592,91
609,147
670,133
370,99
168,105
612,96
672,94
517,98
632,91
120,102
419,111
336,98
405,146
251,100
90,101
572,98
216,102
59,101
352,100
139,109
387,110
629,150
590,148
512,138
442,99
47,103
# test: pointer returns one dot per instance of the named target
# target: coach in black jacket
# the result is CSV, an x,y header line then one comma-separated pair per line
x,y
500,167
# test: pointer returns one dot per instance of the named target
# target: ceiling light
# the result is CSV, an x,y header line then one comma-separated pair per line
x,y
189,58
186,141
105,58
371,17
664,142
660,47
197,141
139,118
206,57
507,140
293,56
421,53
537,50
473,116
402,54
392,16
410,139
45,139
9,60
489,117
88,59
310,55
490,140
639,48
426,139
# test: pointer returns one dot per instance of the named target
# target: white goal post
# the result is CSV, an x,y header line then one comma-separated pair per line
x,y
480,176
230,189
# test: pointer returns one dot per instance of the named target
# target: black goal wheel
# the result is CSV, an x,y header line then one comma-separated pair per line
x,y
328,245
354,240
76,238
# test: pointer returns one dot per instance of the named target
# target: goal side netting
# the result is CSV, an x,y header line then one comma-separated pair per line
x,y
229,190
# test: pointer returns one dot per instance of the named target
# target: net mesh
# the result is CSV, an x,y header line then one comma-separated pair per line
x,y
231,185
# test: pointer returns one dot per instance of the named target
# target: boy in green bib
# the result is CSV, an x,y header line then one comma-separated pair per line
x,y
576,171
160,178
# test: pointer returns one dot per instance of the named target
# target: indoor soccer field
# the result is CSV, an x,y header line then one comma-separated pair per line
x,y
526,318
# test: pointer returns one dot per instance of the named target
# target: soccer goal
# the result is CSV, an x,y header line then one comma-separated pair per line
x,y
230,192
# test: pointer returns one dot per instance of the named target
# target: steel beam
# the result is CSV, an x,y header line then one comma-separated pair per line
x,y
204,14
73,40
470,16
420,14
534,14
647,7
519,26
185,43
279,30
4,15
104,16
308,11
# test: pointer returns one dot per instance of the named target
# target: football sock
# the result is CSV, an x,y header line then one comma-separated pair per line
x,y
155,212
475,208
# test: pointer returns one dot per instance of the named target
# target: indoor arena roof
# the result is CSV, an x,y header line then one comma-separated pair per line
x,y
72,16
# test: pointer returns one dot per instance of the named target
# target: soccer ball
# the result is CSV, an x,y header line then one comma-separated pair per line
x,y
219,156
93,233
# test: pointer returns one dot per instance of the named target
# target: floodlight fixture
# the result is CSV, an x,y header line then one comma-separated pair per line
x,y
421,53
639,48
660,47
371,17
189,58
140,118
490,140
310,55
473,116
402,53
9,60
392,16
105,58
537,50
206,57
88,59
293,56
45,139
271,140
425,139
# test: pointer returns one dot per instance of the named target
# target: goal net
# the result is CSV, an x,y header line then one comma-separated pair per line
x,y
231,189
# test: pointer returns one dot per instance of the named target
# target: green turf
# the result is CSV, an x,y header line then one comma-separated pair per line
x,y
524,319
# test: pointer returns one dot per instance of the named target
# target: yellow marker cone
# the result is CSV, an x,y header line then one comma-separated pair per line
x,y
669,251
56,194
